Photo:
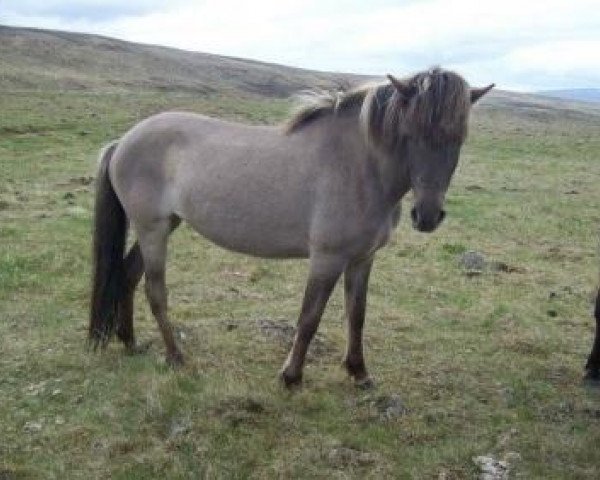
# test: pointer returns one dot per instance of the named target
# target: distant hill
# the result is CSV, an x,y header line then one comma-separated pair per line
x,y
44,59
34,59
580,94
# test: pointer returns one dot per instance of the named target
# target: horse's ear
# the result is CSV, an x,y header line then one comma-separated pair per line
x,y
403,88
477,93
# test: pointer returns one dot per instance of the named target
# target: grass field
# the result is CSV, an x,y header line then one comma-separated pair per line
x,y
483,364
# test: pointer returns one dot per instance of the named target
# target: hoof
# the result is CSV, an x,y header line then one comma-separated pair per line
x,y
290,381
138,348
175,359
366,383
359,374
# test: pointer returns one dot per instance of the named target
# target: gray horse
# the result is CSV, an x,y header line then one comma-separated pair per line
x,y
326,187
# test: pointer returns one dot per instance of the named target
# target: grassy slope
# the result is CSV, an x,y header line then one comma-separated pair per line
x,y
44,59
478,361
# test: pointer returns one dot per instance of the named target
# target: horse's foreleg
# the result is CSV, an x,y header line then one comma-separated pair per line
x,y
356,280
593,363
324,273
153,244
134,269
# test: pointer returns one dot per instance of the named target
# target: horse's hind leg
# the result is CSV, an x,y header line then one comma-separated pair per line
x,y
593,363
153,245
134,269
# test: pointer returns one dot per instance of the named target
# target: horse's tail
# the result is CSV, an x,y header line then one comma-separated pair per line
x,y
110,233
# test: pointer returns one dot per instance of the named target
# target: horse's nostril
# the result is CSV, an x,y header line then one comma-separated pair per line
x,y
442,216
413,214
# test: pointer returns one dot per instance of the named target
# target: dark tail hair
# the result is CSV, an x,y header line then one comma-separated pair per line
x,y
110,234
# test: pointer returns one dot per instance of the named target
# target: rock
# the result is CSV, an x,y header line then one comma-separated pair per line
x,y
390,406
179,426
493,469
472,261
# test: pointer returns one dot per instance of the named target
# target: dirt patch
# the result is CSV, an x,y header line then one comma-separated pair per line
x,y
341,457
240,410
284,333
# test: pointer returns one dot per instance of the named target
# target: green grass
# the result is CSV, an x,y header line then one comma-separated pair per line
x,y
478,361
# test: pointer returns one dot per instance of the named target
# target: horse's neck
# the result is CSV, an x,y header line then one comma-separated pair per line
x,y
390,167
392,173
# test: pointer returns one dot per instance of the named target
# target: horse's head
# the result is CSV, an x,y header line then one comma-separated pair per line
x,y
433,129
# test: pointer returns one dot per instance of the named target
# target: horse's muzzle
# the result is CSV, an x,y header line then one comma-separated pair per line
x,y
426,221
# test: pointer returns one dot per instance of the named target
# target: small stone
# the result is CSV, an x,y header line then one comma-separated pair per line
x,y
56,391
179,426
390,406
492,469
59,420
472,261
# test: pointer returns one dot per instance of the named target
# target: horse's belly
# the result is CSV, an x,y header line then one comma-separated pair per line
x,y
270,231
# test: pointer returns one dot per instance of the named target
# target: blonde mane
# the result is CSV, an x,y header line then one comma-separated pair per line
x,y
437,111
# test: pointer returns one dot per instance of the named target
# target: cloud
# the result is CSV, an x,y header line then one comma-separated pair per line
x,y
93,10
518,44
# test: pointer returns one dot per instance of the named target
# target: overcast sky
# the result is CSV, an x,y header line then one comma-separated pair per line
x,y
519,44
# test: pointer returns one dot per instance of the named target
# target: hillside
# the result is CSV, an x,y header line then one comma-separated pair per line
x,y
578,94
33,59
50,60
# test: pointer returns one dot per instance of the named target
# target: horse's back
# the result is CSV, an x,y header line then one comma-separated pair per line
x,y
246,188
